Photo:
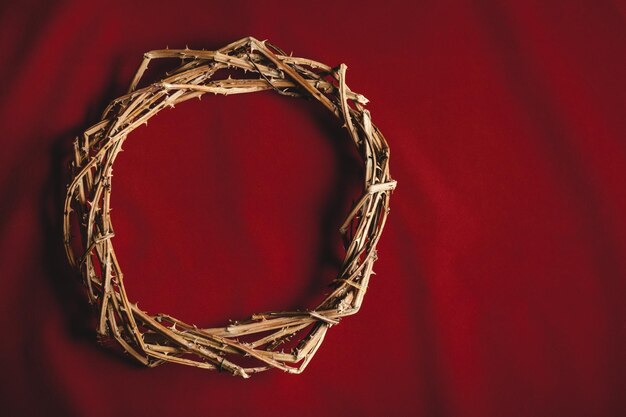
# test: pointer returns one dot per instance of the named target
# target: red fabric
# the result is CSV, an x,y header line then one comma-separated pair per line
x,y
501,274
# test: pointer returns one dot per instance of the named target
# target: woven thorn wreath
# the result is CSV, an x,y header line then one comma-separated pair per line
x,y
261,339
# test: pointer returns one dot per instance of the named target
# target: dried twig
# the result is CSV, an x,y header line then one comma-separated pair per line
x,y
154,339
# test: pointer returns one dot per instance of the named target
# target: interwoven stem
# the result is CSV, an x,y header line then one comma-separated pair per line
x,y
155,339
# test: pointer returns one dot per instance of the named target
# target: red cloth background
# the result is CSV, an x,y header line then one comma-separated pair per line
x,y
501,275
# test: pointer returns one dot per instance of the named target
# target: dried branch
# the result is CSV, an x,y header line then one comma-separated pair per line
x,y
155,339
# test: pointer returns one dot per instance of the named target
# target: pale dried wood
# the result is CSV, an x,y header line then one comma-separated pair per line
x,y
155,339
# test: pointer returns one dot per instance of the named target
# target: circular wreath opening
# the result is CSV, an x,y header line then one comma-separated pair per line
x,y
159,338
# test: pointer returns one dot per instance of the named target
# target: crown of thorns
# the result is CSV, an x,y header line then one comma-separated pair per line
x,y
155,339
